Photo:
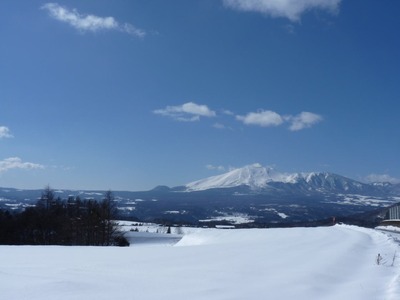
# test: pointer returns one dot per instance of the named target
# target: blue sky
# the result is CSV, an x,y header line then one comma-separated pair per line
x,y
127,95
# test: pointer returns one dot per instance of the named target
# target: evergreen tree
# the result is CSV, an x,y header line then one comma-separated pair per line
x,y
69,222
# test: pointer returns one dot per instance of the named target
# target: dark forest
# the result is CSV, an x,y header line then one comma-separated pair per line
x,y
55,221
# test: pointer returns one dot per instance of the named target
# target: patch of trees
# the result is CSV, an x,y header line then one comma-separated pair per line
x,y
54,221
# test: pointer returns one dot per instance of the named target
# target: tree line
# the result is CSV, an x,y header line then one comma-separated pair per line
x,y
53,221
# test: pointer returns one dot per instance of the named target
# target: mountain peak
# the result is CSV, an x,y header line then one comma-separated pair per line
x,y
255,176
258,177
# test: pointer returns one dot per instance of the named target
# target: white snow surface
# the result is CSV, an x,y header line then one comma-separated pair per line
x,y
236,218
255,176
336,262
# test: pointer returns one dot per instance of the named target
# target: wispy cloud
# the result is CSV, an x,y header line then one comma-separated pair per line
x,y
17,163
268,118
5,132
290,9
303,120
221,126
218,168
227,112
263,118
188,112
89,22
381,178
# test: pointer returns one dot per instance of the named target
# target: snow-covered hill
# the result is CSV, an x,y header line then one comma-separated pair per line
x,y
258,177
337,262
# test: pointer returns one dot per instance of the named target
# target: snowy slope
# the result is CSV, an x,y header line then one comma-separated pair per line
x,y
254,176
258,177
299,263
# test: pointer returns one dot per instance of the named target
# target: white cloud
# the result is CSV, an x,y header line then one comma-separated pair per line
x,y
188,112
227,112
192,112
17,163
263,118
221,126
218,168
303,120
132,30
188,119
5,132
381,178
291,9
268,118
89,22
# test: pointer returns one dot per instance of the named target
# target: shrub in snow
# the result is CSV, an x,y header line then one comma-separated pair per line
x,y
379,259
121,241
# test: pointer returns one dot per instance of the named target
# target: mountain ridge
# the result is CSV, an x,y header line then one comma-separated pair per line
x,y
254,193
260,178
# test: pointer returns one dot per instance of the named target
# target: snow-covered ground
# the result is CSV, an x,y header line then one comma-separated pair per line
x,y
235,218
336,262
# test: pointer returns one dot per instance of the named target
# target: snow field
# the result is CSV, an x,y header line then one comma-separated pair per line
x,y
299,263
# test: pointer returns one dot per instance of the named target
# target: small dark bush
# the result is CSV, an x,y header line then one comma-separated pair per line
x,y
121,241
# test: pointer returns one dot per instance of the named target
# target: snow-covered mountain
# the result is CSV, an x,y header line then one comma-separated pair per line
x,y
257,177
253,193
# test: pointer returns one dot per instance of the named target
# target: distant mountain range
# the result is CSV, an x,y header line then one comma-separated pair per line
x,y
265,180
253,194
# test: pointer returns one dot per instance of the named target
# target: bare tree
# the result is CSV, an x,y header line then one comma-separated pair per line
x,y
47,198
109,214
